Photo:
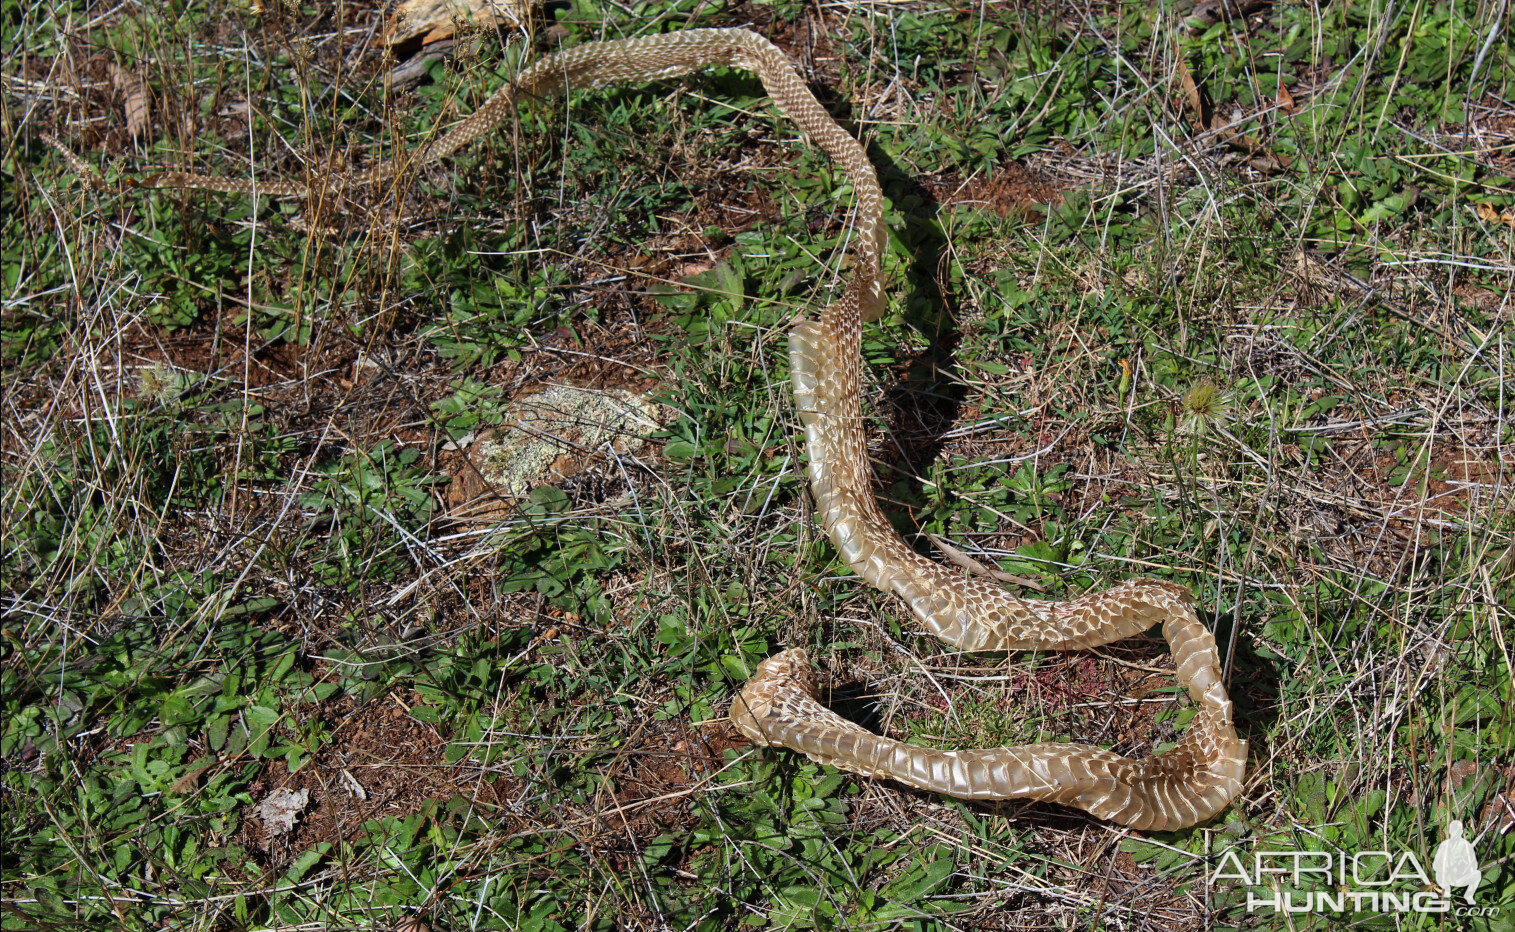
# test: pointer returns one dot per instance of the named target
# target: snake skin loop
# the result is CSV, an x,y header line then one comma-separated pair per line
x,y
778,705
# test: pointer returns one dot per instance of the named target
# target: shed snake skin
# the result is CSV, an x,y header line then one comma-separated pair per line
x,y
778,706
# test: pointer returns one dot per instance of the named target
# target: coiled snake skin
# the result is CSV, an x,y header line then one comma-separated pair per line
x,y
778,705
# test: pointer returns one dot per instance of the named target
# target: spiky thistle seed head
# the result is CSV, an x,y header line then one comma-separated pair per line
x,y
1206,405
157,383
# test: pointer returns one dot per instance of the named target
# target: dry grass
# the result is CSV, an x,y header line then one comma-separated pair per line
x,y
1269,360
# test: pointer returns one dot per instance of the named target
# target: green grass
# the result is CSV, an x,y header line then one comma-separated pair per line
x,y
1262,350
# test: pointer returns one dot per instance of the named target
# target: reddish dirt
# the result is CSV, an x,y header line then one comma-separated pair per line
x,y
396,760
1013,191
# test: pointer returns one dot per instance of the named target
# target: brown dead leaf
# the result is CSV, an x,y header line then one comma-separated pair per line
x,y
1198,103
190,780
694,268
1286,100
435,20
1258,155
1488,214
137,106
